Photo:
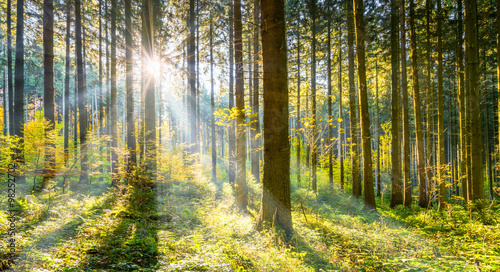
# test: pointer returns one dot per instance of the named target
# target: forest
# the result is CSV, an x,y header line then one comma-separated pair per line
x,y
249,135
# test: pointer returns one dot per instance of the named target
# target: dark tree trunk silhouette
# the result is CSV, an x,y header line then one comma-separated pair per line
x,y
128,84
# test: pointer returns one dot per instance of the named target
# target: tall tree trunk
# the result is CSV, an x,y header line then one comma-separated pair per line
x,y
276,205
297,126
363,100
441,160
429,142
472,79
379,186
19,82
129,84
341,116
232,136
356,175
241,186
10,85
330,116
149,87
114,106
82,95
66,85
406,127
48,89
313,141
212,102
191,59
418,115
255,103
396,178
101,97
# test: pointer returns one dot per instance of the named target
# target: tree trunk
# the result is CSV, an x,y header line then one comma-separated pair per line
x,y
472,69
396,178
276,205
48,90
429,142
232,136
212,103
406,127
10,86
255,104
19,82
379,186
363,99
114,107
418,115
191,60
241,154
129,84
149,87
341,121
330,116
313,141
297,126
66,85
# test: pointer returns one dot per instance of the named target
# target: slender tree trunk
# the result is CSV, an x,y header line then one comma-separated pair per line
x,y
232,136
297,126
82,95
101,97
429,142
48,89
472,79
255,103
418,115
330,115
241,186
379,186
192,80
10,85
19,82
212,102
114,106
356,175
340,129
129,84
406,127
313,141
363,99
149,87
66,85
441,145
276,205
396,179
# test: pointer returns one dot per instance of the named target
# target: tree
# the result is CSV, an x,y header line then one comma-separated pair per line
x,y
19,82
314,143
356,177
66,84
10,86
474,99
48,88
212,102
363,99
191,97
114,106
276,205
255,96
441,163
340,129
418,115
330,116
241,186
406,127
297,125
232,136
82,94
128,83
396,179
149,87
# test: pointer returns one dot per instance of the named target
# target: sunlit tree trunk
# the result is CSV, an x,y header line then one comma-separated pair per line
x,y
313,140
297,126
128,84
149,87
212,102
241,184
255,97
369,195
340,129
10,86
429,101
114,107
396,178
330,116
48,89
406,126
191,97
472,79
66,85
232,136
276,205
356,175
418,115
379,186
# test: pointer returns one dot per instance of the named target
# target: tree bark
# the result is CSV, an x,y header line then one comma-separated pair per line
x,y
406,127
241,154
256,145
149,87
10,86
441,145
232,136
129,84
297,126
396,178
330,110
66,85
19,82
276,205
212,102
341,116
314,136
418,115
191,60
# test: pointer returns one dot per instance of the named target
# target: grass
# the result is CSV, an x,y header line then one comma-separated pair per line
x,y
189,223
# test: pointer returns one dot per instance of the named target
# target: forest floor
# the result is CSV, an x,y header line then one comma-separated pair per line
x,y
189,223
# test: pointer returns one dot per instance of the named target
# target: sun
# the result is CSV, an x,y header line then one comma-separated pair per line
x,y
153,68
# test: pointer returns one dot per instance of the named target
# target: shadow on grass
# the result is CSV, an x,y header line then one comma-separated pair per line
x,y
133,244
